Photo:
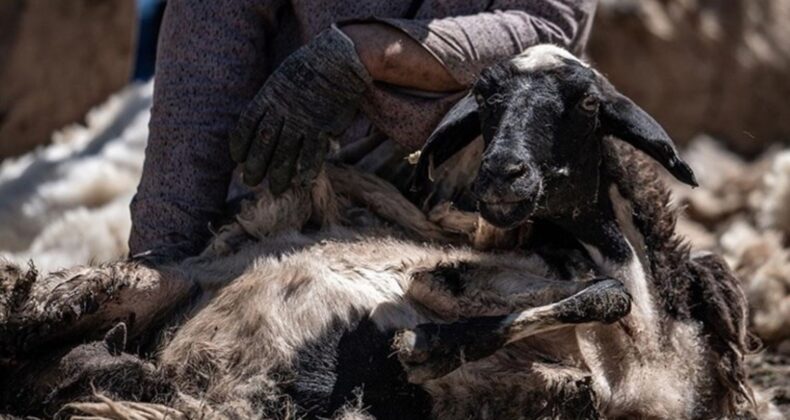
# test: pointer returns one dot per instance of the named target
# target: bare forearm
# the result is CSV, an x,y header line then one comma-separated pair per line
x,y
393,57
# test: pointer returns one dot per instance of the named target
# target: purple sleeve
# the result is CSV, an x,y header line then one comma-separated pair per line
x,y
209,64
467,44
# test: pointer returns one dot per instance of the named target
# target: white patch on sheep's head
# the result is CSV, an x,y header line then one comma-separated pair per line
x,y
543,57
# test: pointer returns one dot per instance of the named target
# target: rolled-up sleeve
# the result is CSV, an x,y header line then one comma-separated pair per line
x,y
466,45
209,64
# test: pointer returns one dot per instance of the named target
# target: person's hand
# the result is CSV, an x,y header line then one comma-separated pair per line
x,y
312,96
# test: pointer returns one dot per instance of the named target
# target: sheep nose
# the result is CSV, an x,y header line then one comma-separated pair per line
x,y
514,171
506,171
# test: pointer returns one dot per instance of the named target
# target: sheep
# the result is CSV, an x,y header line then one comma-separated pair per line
x,y
545,159
370,283
596,309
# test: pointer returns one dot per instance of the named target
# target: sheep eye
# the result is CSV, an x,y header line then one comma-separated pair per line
x,y
589,104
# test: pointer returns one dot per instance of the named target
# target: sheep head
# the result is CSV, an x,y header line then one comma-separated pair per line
x,y
543,116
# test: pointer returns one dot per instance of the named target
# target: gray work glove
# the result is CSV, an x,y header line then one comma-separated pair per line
x,y
312,96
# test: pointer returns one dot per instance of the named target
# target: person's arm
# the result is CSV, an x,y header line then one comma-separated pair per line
x,y
463,46
209,64
468,44
391,56
446,54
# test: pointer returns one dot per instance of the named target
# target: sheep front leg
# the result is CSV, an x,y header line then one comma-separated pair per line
x,y
465,289
37,313
433,350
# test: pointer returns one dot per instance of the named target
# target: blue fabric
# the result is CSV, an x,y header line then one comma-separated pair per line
x,y
149,14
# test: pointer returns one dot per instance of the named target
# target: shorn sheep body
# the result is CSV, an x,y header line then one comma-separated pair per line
x,y
345,299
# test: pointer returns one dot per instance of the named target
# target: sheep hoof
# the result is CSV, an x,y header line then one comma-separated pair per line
x,y
606,301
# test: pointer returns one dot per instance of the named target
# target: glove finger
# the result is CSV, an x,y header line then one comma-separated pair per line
x,y
260,154
283,165
311,158
243,134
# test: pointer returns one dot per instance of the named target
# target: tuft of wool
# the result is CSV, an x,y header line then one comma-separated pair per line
x,y
772,200
67,203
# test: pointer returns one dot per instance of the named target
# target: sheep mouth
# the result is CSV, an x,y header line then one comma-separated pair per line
x,y
506,214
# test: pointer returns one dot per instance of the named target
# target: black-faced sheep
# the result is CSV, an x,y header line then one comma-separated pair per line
x,y
597,308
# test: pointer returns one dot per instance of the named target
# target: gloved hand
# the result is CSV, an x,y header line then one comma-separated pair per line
x,y
312,96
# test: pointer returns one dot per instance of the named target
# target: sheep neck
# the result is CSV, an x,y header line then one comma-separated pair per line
x,y
616,244
598,227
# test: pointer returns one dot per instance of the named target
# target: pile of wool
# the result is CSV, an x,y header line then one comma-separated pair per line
x,y
68,203
742,209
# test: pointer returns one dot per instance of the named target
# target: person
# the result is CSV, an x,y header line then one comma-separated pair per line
x,y
270,84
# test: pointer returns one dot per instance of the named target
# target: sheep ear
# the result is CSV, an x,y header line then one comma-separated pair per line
x,y
457,129
622,118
